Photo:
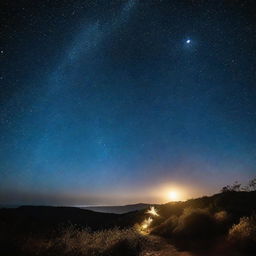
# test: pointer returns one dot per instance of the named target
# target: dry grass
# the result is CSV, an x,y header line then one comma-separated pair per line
x,y
74,241
193,223
221,216
243,234
166,228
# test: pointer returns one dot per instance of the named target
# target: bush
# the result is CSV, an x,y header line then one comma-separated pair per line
x,y
243,234
196,224
166,228
221,216
193,224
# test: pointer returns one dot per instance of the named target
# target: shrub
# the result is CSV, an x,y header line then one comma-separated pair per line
x,y
195,223
166,228
243,234
221,216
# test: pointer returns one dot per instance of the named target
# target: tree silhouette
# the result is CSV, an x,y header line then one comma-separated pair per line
x,y
232,188
237,187
252,184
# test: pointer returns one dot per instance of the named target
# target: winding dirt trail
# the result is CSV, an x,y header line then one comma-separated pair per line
x,y
163,248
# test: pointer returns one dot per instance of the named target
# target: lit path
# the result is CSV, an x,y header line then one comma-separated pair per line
x,y
160,247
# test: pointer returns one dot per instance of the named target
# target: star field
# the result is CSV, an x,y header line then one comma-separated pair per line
x,y
101,101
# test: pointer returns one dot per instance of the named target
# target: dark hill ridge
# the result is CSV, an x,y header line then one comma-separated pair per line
x,y
39,218
197,229
43,218
118,209
238,204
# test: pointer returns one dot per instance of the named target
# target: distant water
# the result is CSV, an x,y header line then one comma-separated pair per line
x,y
9,206
18,205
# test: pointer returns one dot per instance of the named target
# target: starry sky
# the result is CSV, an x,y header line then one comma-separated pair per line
x,y
113,102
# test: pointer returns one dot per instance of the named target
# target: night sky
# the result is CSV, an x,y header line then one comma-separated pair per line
x,y
114,102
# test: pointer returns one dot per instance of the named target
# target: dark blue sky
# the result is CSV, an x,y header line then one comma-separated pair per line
x,y
106,102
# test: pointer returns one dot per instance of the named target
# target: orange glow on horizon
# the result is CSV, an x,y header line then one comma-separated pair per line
x,y
173,195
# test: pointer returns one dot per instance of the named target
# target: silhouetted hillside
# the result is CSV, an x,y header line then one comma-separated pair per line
x,y
40,218
118,209
225,221
236,203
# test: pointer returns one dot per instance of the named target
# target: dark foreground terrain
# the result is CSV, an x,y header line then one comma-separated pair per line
x,y
223,224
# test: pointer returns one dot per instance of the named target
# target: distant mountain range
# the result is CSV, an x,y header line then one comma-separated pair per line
x,y
98,208
117,209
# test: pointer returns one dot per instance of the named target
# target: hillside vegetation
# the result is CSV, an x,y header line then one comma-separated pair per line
x,y
224,224
227,220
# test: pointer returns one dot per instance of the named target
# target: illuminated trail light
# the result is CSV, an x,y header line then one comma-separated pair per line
x,y
152,211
